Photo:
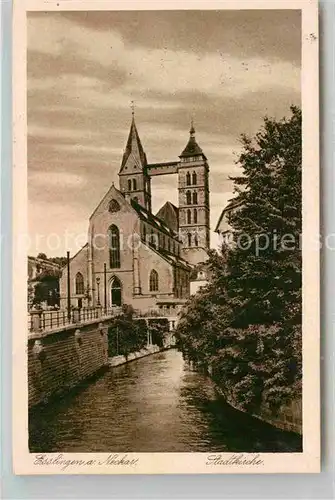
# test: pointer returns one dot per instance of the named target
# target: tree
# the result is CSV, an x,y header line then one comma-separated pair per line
x,y
264,278
42,256
246,324
47,290
60,261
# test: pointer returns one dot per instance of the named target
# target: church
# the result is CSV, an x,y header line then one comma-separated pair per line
x,y
133,256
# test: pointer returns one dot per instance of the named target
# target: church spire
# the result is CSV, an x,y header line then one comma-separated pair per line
x,y
133,176
192,148
134,147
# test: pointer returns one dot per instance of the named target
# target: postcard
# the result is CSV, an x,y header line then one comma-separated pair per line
x,y
166,237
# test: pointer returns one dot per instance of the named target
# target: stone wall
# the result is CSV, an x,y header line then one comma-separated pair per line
x,y
60,360
288,417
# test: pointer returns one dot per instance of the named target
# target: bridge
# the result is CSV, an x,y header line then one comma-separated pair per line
x,y
48,321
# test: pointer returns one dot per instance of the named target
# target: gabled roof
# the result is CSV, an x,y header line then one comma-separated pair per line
x,y
192,147
232,203
172,259
134,147
112,192
153,220
170,215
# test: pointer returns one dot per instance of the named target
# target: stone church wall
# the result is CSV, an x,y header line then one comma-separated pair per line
x,y
149,260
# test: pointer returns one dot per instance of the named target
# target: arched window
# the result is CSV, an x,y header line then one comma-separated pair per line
x,y
194,178
189,239
114,247
188,198
79,284
129,184
134,185
116,292
153,281
188,179
196,240
188,216
135,199
113,206
195,216
195,198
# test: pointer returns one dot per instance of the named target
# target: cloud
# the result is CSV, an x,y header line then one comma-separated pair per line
x,y
164,70
227,70
245,33
53,180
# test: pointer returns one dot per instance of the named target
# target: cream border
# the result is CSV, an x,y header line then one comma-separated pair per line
x,y
158,463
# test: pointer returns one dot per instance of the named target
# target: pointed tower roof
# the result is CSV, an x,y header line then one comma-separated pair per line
x,y
134,147
192,148
169,214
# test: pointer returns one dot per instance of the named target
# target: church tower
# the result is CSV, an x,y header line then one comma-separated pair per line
x,y
133,176
193,188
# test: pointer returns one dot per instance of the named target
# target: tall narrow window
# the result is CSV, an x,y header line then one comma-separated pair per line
x,y
134,185
135,199
153,281
116,292
188,179
195,216
79,284
144,232
196,240
188,216
194,178
195,198
129,184
188,198
114,247
189,239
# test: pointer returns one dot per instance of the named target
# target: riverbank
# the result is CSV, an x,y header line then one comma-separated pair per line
x,y
146,351
288,418
156,404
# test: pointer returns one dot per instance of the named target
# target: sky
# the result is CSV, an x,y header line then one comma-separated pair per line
x,y
225,69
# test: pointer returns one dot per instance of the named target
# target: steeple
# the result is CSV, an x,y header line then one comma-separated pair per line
x,y
194,209
133,176
192,148
134,149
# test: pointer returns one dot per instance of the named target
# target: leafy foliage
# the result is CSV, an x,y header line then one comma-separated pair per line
x,y
47,290
127,335
246,324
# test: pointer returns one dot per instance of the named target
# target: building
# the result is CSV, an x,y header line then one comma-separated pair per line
x,y
137,258
199,278
223,227
37,269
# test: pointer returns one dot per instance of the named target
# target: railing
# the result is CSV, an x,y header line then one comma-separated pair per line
x,y
39,321
49,320
157,313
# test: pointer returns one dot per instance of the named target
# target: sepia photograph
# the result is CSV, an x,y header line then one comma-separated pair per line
x,y
164,249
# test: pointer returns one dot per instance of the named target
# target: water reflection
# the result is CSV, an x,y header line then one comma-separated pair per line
x,y
155,404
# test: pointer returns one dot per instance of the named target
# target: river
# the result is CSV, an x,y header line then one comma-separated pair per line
x,y
154,404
